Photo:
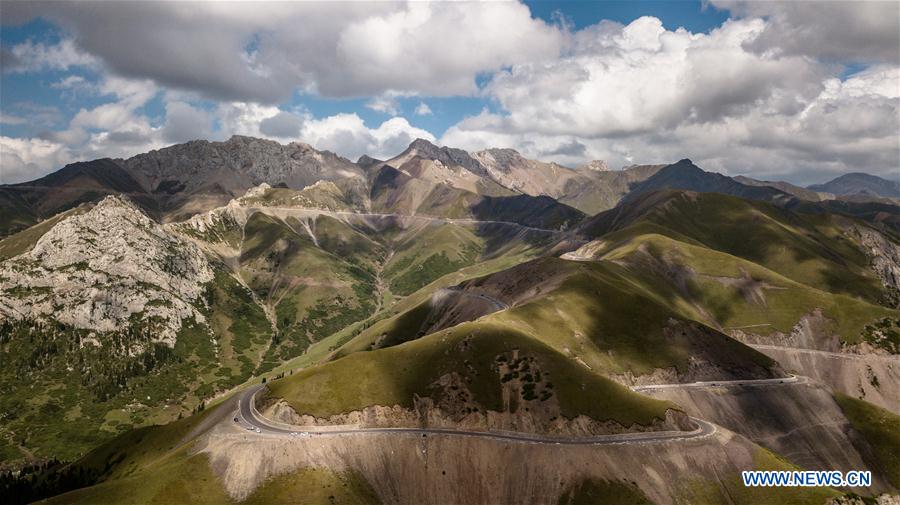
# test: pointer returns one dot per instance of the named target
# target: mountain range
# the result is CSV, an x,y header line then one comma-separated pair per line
x,y
442,290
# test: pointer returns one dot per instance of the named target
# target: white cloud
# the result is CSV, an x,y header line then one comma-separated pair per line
x,y
347,135
70,82
21,159
30,56
242,118
119,129
863,31
423,109
386,103
185,122
759,95
640,93
438,48
640,78
249,51
284,125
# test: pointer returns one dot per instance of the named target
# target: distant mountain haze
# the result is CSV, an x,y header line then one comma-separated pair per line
x,y
861,184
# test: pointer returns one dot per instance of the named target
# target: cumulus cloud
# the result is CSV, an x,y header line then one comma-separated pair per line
x,y
638,78
386,103
643,93
282,125
862,31
22,159
32,115
347,135
33,56
423,109
120,129
185,122
243,51
764,93
70,82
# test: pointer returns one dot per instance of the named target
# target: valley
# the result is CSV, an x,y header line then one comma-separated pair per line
x,y
390,331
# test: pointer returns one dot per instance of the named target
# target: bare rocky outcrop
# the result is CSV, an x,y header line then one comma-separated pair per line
x,y
800,421
885,259
874,378
512,170
105,270
411,469
595,165
813,331
884,499
236,164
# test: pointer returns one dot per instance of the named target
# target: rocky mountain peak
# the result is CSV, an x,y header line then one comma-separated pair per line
x,y
500,158
366,161
858,183
239,163
106,270
595,165
423,145
448,156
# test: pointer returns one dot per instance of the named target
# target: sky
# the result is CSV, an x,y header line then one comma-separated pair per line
x,y
796,91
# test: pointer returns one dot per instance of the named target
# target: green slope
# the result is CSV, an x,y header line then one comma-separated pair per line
x,y
732,293
62,398
809,249
881,430
24,240
474,352
597,312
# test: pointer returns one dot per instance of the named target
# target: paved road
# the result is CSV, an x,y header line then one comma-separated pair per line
x,y
838,355
793,379
248,416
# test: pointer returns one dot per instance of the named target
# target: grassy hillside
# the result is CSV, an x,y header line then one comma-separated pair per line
x,y
809,249
732,293
599,313
593,491
311,290
307,276
60,398
17,214
880,428
730,489
24,240
476,353
155,465
425,253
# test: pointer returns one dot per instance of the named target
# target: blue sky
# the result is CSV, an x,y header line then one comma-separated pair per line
x,y
728,83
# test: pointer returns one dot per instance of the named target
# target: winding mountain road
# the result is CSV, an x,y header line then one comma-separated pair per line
x,y
836,355
793,379
249,417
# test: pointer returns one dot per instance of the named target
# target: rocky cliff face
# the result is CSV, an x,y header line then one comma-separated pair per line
x,y
512,170
885,259
237,164
448,156
106,270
